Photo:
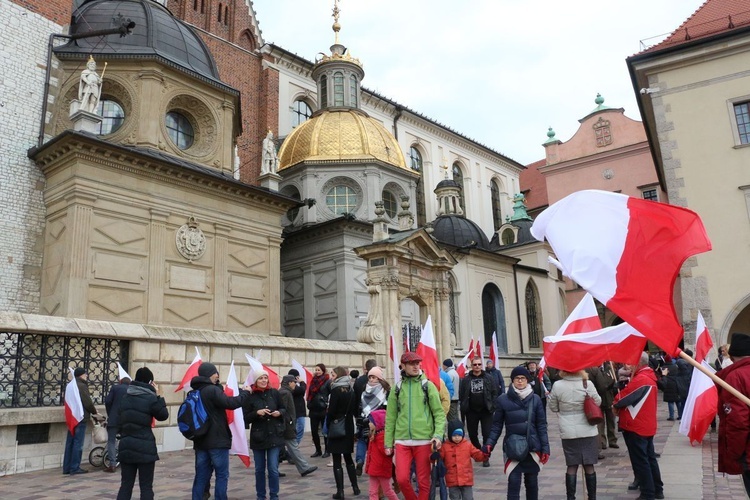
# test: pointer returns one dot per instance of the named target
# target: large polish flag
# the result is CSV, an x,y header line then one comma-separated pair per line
x,y
191,372
478,349
236,420
463,365
393,354
427,349
576,351
700,406
73,404
626,252
494,356
703,342
584,318
256,366
303,372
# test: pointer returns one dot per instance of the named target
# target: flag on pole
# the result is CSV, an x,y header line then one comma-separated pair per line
x,y
703,342
463,365
73,404
471,345
407,339
303,372
576,351
478,349
700,406
255,367
236,420
626,252
426,348
393,354
191,372
494,356
121,373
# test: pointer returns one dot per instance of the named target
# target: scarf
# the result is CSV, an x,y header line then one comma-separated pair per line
x,y
523,393
316,384
373,397
346,380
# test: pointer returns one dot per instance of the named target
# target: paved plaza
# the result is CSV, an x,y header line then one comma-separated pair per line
x,y
688,473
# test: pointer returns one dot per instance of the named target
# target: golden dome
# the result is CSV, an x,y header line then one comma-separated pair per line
x,y
341,135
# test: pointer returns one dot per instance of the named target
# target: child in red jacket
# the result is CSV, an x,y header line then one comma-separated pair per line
x,y
456,453
378,465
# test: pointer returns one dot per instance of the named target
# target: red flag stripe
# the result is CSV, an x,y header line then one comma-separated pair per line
x,y
577,351
583,325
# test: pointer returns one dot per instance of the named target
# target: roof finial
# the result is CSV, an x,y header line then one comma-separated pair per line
x,y
336,26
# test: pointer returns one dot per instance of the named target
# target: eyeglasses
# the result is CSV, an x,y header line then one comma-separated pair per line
x,y
476,364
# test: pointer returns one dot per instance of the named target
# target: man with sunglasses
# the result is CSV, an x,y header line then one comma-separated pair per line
x,y
476,397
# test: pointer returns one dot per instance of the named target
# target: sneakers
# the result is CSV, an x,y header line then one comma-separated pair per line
x,y
359,468
309,471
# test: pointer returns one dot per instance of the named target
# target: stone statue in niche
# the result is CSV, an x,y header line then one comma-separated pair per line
x,y
90,87
270,160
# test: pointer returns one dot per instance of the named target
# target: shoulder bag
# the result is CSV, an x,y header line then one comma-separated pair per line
x,y
593,413
337,426
516,445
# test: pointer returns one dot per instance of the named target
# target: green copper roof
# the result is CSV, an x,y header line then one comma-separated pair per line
x,y
550,137
599,104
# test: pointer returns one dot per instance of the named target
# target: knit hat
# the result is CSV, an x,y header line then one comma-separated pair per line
x,y
410,357
78,372
377,418
520,371
448,362
455,427
144,375
740,345
376,371
287,379
259,373
207,369
294,373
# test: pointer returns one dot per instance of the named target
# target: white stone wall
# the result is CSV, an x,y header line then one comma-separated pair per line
x,y
23,50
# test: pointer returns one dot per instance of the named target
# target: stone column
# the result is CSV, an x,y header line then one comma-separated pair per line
x,y
446,347
80,211
274,285
157,265
221,276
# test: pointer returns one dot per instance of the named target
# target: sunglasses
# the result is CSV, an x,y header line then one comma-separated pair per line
x,y
476,364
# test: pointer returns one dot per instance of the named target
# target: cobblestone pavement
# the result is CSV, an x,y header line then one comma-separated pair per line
x,y
689,472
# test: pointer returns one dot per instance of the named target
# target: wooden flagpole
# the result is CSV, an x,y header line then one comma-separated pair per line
x,y
734,392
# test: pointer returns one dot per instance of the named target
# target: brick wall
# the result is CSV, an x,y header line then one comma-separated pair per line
x,y
57,11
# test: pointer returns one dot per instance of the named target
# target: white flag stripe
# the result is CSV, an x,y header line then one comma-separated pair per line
x,y
609,335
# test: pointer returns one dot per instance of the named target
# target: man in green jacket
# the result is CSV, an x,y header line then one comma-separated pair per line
x,y
414,422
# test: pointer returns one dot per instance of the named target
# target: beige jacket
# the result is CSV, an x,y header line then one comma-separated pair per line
x,y
567,399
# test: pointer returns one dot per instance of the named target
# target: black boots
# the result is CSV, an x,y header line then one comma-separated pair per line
x,y
338,475
591,485
570,486
352,471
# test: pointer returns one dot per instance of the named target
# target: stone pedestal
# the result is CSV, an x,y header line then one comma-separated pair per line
x,y
83,121
270,181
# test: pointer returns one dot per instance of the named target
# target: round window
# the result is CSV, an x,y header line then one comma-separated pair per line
x,y
112,116
389,204
341,200
180,130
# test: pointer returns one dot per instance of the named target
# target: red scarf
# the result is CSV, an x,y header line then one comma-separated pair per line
x,y
316,384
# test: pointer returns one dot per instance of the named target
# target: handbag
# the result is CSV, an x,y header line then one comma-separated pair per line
x,y
99,434
337,428
593,413
516,446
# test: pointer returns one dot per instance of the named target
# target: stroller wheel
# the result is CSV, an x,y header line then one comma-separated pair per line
x,y
96,456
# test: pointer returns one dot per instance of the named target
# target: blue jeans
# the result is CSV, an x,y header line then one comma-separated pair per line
x,y
670,406
300,428
530,480
207,461
645,465
267,459
361,449
74,448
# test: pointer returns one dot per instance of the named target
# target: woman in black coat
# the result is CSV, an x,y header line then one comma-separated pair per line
x,y
317,404
266,414
341,406
669,383
137,453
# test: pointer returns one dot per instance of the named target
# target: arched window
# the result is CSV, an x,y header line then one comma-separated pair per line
x,y
301,112
493,317
508,237
533,315
390,204
324,91
221,11
415,159
226,15
341,199
458,177
497,216
203,6
338,89
195,5
353,91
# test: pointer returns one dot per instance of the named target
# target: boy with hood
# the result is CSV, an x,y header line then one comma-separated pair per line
x,y
457,453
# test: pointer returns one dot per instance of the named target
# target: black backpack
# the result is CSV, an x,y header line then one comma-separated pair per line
x,y
192,417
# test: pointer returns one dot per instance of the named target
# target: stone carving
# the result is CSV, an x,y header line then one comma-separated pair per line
x,y
90,87
602,133
270,159
372,331
190,240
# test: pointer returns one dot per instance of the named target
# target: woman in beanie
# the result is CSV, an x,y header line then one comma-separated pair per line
x,y
580,439
341,407
266,414
317,404
137,453
376,391
522,413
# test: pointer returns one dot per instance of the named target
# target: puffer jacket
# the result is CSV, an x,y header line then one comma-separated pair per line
x,y
216,403
734,420
512,412
567,398
265,431
408,417
138,407
457,458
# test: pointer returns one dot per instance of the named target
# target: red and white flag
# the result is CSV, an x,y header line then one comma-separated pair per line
x,y
471,346
393,354
463,365
494,357
427,349
700,406
73,404
478,349
255,367
626,252
703,342
122,373
303,372
576,351
407,339
191,372
584,318
236,421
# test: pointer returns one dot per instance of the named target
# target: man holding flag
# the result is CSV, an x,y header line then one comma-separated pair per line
x,y
78,409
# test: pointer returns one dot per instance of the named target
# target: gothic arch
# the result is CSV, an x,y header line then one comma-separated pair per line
x,y
493,317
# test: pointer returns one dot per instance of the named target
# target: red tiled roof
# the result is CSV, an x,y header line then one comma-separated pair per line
x,y
536,184
711,18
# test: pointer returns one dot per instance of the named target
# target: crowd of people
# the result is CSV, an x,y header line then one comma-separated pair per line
x,y
396,433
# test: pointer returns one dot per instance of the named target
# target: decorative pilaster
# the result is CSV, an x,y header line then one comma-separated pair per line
x,y
221,276
80,211
157,266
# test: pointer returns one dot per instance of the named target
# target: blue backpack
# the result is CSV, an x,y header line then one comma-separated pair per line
x,y
192,417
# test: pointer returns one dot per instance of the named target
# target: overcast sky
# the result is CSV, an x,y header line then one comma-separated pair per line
x,y
498,71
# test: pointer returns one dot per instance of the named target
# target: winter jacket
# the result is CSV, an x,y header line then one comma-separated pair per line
x,y
497,376
445,397
290,420
644,423
448,381
378,464
512,412
137,409
457,458
734,419
112,403
453,374
669,385
684,375
342,404
489,387
567,398
216,403
300,410
88,405
408,417
318,402
265,431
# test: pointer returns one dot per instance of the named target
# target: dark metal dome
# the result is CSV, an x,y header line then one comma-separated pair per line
x,y
459,231
157,34
447,183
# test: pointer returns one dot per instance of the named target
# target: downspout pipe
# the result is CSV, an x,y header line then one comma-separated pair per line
x,y
518,307
399,112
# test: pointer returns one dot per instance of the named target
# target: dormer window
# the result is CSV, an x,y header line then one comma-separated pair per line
x,y
180,130
353,91
324,91
338,89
